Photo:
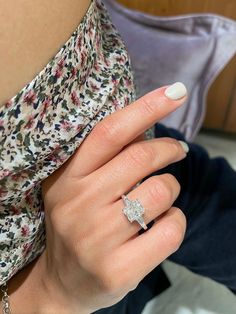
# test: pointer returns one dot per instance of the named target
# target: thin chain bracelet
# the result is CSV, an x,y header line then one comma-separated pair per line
x,y
5,300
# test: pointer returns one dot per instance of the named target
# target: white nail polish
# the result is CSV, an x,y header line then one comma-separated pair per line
x,y
176,91
185,146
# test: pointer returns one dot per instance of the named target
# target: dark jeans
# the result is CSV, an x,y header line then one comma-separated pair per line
x,y
208,199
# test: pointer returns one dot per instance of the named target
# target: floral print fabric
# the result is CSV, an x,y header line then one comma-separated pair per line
x,y
41,127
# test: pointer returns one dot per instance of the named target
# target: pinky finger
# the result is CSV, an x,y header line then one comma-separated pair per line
x,y
148,250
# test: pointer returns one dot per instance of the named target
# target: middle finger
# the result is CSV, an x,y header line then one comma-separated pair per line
x,y
130,166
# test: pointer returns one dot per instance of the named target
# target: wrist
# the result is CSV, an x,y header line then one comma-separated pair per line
x,y
56,300
29,295
25,291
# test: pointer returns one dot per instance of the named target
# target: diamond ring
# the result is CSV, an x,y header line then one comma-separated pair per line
x,y
134,210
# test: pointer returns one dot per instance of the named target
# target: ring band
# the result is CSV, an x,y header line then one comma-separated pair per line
x,y
134,210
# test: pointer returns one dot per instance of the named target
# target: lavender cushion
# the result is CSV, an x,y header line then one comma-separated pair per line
x,y
190,48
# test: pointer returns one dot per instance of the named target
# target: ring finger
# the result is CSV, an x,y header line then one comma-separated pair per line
x,y
157,194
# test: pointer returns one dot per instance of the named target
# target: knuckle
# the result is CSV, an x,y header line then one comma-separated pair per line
x,y
107,130
140,154
56,218
148,106
174,232
173,184
177,148
160,189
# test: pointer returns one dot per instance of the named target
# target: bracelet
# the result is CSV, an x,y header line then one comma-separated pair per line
x,y
5,299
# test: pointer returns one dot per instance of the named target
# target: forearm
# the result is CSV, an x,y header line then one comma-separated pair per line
x,y
27,294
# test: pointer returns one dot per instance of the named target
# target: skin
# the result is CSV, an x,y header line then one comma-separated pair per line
x,y
76,273
31,32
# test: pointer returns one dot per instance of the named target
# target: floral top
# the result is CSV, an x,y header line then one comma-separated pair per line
x,y
41,127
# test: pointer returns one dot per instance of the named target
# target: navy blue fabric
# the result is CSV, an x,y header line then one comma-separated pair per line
x,y
208,199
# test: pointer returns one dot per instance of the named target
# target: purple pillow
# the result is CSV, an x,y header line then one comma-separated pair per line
x,y
191,48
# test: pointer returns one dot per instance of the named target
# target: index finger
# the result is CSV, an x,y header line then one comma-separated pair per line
x,y
117,130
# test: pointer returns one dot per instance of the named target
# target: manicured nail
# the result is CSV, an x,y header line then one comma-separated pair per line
x,y
185,146
176,91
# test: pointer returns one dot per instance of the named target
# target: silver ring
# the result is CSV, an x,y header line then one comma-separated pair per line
x,y
134,210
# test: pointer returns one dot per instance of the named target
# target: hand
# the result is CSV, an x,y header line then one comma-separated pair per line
x,y
94,256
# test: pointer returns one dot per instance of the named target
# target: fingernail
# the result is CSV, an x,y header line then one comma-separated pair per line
x,y
185,146
176,91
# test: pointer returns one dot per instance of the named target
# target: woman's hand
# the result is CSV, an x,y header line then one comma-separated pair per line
x,y
94,256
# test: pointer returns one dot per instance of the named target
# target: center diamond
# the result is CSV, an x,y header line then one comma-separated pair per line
x,y
133,209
